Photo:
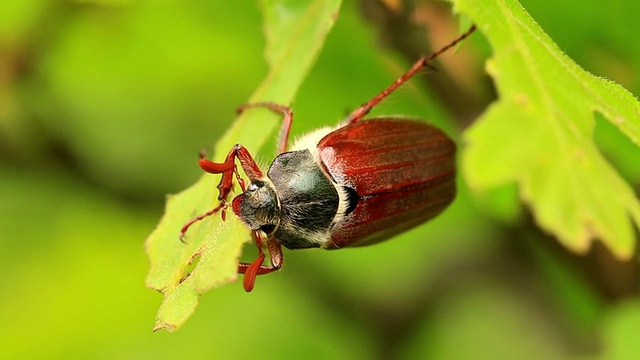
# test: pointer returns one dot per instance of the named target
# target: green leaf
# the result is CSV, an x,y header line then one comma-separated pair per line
x,y
620,326
295,32
540,133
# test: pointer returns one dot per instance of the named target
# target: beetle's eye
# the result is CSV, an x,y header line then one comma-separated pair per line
x,y
255,185
268,228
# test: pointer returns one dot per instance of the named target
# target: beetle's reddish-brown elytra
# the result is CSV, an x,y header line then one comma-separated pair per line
x,y
356,184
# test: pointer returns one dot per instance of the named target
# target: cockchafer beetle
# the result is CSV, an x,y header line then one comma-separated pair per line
x,y
357,184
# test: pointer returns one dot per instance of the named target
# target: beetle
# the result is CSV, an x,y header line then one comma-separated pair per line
x,y
357,184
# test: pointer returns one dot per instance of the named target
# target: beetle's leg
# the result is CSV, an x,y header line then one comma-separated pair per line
x,y
364,109
287,120
185,227
256,268
228,169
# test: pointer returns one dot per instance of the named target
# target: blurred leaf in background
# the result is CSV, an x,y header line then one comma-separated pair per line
x,y
104,106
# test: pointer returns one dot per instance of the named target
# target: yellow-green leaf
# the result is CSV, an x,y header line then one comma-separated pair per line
x,y
295,31
540,133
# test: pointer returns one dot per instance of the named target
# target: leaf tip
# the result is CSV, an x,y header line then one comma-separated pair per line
x,y
164,326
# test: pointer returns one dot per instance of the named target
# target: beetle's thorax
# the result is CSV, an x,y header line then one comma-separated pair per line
x,y
307,197
259,206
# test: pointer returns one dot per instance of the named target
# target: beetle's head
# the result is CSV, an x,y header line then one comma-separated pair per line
x,y
258,206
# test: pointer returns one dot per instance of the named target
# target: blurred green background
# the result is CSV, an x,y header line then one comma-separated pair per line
x,y
104,106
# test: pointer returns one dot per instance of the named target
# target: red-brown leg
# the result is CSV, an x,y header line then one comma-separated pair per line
x,y
287,120
363,110
186,226
256,268
228,169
